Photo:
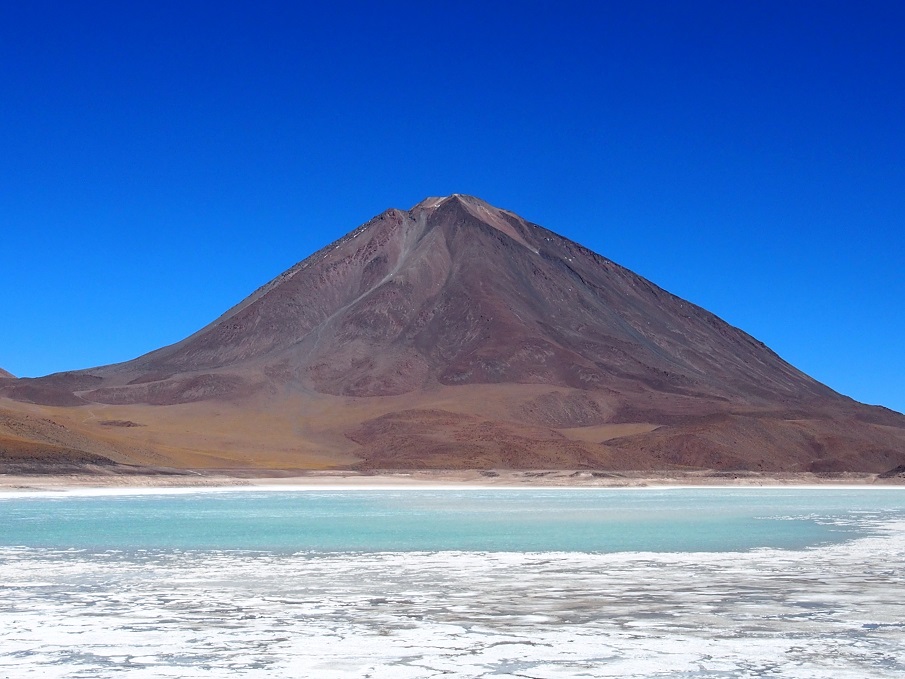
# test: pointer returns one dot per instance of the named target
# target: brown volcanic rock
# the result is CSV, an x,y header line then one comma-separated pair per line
x,y
426,305
6,375
438,439
457,292
33,443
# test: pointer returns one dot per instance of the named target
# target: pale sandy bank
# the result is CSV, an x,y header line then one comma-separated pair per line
x,y
436,479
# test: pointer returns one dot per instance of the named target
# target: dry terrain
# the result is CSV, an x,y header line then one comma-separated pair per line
x,y
454,335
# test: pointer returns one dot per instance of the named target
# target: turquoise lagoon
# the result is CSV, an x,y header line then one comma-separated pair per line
x,y
570,520
681,582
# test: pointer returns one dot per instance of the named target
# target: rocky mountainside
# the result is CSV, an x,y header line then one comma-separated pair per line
x,y
6,375
457,334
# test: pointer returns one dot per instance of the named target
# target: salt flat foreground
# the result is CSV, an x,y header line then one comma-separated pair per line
x,y
829,610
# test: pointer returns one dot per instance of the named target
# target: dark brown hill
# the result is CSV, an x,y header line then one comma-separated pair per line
x,y
6,375
458,334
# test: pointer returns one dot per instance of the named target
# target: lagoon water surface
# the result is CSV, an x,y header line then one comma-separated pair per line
x,y
675,582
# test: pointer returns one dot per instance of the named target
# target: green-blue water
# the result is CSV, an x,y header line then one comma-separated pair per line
x,y
464,584
587,520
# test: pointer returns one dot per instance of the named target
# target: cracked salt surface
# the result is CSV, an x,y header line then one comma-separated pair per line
x,y
829,611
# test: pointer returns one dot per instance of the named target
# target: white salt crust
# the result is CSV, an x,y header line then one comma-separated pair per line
x,y
834,611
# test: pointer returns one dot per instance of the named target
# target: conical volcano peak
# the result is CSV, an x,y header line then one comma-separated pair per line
x,y
504,221
457,334
432,203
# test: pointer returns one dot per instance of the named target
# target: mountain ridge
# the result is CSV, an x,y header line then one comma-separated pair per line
x,y
417,311
245,351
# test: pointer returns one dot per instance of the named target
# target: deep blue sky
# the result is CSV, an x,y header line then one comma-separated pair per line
x,y
161,160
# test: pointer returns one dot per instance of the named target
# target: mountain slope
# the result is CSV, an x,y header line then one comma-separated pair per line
x,y
420,312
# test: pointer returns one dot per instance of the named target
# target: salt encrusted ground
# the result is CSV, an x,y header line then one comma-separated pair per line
x,y
826,612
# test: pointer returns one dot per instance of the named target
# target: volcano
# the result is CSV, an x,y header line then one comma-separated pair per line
x,y
459,335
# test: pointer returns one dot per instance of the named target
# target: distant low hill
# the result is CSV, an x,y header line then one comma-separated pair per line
x,y
458,335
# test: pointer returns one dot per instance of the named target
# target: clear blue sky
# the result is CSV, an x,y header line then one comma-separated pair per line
x,y
160,160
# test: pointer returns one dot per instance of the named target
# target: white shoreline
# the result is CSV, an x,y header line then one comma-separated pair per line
x,y
194,481
113,491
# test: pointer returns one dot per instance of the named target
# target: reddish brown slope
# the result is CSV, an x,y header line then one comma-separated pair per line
x,y
456,292
424,306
